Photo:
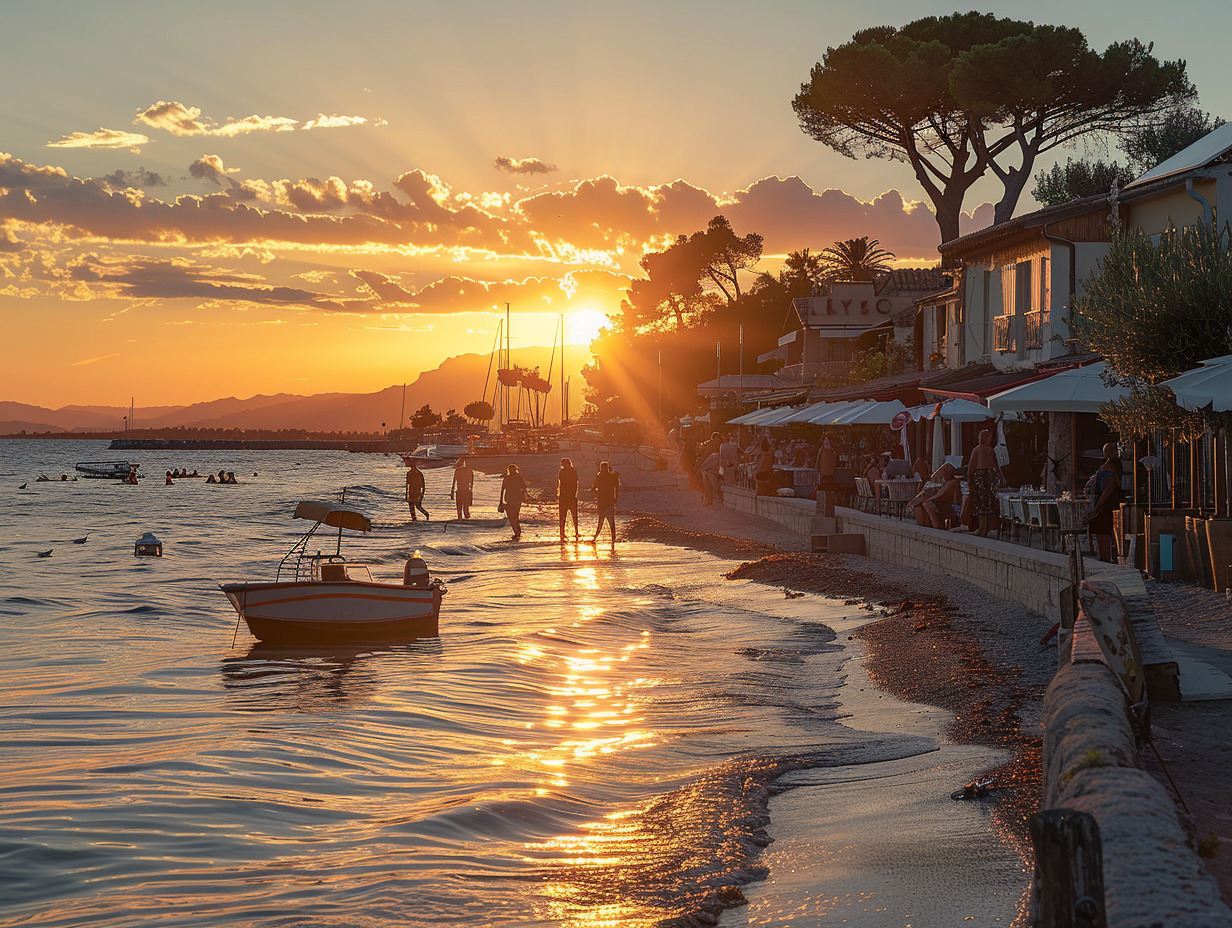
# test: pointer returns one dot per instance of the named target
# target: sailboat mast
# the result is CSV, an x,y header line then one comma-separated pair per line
x,y
563,404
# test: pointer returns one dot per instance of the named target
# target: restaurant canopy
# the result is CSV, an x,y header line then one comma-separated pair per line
x,y
1208,385
768,416
1079,389
955,410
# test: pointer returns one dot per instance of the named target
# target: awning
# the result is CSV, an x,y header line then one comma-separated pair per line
x,y
769,416
957,410
1080,389
333,515
1208,385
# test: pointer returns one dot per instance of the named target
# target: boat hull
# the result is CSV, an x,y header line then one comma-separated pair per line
x,y
317,611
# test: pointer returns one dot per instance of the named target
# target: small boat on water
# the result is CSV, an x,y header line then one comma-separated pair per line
x,y
328,598
438,455
108,470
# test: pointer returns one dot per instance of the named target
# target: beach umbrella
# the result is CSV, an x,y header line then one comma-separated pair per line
x,y
872,413
1207,385
1079,389
938,443
829,413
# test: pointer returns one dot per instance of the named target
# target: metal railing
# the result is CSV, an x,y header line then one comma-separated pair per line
x,y
1003,334
1033,329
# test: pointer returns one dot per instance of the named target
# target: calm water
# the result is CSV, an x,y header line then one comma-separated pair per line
x,y
586,743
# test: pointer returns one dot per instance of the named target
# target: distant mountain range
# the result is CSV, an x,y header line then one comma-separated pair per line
x,y
457,381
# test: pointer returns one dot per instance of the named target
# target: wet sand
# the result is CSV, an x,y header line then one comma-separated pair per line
x,y
929,641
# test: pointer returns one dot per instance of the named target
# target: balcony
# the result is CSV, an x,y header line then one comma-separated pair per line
x,y
1033,330
1003,334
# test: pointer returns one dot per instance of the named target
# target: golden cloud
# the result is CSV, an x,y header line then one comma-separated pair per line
x,y
102,138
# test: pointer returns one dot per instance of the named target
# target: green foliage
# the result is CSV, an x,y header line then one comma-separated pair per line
x,y
480,411
425,418
1156,310
677,278
1146,409
1158,140
957,96
883,360
1078,179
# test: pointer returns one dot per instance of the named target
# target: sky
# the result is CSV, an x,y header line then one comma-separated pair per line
x,y
306,197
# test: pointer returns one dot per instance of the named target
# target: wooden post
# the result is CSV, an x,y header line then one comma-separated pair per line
x,y
1069,870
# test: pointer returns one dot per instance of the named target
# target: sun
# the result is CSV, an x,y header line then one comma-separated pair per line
x,y
582,325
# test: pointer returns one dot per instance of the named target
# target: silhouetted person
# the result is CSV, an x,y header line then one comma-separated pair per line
x,y
462,491
607,489
567,495
415,488
513,491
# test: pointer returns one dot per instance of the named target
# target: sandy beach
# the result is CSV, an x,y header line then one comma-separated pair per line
x,y
943,657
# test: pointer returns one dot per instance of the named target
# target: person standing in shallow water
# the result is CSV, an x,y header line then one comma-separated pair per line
x,y
513,489
567,495
463,489
415,492
607,489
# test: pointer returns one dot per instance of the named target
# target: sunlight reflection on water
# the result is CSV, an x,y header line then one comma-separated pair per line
x,y
589,741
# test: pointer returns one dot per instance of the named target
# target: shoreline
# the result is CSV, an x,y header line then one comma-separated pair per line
x,y
930,642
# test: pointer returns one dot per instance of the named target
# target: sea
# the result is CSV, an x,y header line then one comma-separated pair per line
x,y
595,738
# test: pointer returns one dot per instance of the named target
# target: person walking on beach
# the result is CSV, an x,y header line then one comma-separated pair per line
x,y
984,478
462,490
513,490
1107,492
607,489
567,496
415,488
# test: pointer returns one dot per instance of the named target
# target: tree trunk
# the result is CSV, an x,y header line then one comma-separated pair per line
x,y
949,211
1013,183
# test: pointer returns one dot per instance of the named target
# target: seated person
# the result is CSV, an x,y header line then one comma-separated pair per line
x,y
934,505
898,466
920,468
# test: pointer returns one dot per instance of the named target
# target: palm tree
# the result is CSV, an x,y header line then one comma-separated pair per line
x,y
855,259
803,266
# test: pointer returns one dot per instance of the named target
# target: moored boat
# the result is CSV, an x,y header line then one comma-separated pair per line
x,y
110,470
328,598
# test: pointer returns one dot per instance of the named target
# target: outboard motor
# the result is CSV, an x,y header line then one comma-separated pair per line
x,y
416,574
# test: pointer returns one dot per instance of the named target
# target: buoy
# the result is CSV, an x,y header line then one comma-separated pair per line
x,y
148,546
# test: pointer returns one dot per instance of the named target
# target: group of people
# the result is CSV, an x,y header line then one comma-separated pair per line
x,y
606,486
940,504
224,476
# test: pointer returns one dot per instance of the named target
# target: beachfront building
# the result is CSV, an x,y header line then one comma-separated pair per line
x,y
844,317
1011,303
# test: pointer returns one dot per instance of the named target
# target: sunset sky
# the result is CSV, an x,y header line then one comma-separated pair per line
x,y
199,201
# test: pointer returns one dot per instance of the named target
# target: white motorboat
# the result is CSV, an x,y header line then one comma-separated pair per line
x,y
109,470
328,598
437,455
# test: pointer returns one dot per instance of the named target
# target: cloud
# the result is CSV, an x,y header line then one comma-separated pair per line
x,y
456,294
151,278
102,138
523,165
211,168
182,120
334,122
120,179
85,362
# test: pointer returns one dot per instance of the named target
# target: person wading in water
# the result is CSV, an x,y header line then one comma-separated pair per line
x,y
607,488
567,495
415,492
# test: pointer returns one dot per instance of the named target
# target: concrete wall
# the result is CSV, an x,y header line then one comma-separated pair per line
x,y
796,514
1032,577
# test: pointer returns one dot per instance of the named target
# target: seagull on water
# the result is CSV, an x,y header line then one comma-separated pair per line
x,y
82,540
46,553
23,486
